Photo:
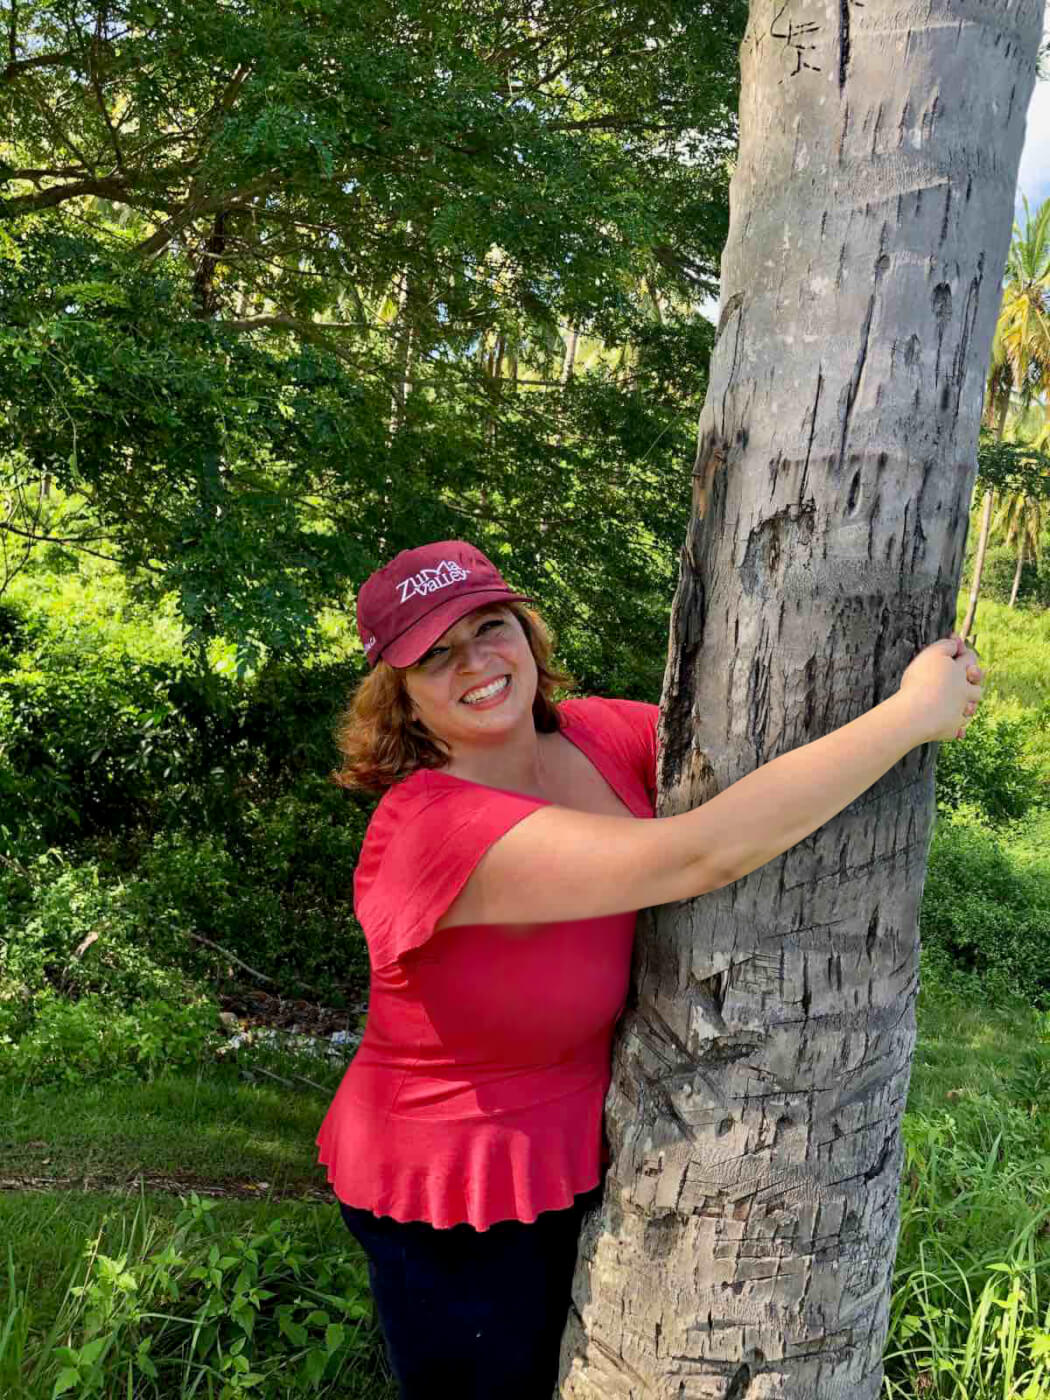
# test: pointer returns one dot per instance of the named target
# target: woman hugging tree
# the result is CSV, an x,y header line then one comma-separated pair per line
x,y
498,887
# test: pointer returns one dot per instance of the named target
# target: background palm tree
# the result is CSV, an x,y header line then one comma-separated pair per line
x,y
1019,519
1020,360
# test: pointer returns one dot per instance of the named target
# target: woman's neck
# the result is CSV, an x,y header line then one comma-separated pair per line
x,y
516,762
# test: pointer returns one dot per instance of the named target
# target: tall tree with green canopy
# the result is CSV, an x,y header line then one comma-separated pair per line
x,y
744,1248
260,266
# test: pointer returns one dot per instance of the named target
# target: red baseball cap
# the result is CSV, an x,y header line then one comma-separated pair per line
x,y
404,607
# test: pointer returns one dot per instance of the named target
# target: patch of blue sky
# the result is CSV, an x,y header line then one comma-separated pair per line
x,y
1033,177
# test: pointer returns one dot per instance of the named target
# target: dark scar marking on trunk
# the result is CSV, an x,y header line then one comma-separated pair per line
x,y
733,304
740,1383
848,397
812,431
879,1166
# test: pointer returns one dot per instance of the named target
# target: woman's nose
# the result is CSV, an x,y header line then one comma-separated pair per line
x,y
471,655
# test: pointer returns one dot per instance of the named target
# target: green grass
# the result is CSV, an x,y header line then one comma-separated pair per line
x,y
971,1303
48,1232
1013,644
214,1127
156,1297
967,1047
971,1294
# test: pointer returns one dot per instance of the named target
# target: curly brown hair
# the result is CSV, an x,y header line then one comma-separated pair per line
x,y
382,744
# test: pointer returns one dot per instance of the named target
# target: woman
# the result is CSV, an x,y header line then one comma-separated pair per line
x,y
497,887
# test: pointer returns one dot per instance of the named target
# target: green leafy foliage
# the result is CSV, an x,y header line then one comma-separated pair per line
x,y
1003,465
986,910
324,315
70,1042
991,768
71,929
271,1312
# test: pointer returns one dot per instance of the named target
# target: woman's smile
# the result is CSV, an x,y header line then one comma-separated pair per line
x,y
487,695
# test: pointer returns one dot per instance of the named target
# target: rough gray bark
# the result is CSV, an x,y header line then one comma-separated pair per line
x,y
745,1244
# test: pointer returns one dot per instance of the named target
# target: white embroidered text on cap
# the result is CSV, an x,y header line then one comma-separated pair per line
x,y
430,580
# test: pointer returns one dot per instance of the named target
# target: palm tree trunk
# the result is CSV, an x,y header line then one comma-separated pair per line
x,y
978,563
986,523
568,369
404,347
745,1243
569,362
1021,538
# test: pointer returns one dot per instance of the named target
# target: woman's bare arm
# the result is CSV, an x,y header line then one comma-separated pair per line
x,y
561,864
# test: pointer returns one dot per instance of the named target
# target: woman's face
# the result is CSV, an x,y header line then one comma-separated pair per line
x,y
486,651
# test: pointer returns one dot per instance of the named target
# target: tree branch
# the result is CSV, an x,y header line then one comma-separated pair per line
x,y
199,938
17,66
157,242
612,124
100,100
59,172
109,187
282,322
76,542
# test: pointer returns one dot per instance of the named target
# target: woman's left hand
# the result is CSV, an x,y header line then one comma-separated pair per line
x,y
975,675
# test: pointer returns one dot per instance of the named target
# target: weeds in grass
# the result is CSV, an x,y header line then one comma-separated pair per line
x,y
970,1312
963,1327
201,1312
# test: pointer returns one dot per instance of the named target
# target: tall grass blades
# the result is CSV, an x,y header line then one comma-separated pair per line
x,y
970,1313
971,1328
205,1313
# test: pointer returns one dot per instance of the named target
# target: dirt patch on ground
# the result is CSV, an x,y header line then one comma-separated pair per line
x,y
253,1007
293,1189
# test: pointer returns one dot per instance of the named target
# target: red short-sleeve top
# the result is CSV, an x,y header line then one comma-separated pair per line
x,y
476,1093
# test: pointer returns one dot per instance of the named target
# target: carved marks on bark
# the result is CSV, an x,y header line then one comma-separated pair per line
x,y
796,36
712,456
799,38
686,776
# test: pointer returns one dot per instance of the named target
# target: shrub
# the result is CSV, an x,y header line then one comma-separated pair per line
x,y
17,631
288,711
70,1041
270,1314
185,802
281,897
303,846
990,767
71,929
984,910
97,743
282,901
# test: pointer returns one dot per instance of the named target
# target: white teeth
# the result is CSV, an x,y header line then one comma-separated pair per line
x,y
474,696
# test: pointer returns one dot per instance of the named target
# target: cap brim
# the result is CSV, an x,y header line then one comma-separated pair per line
x,y
421,636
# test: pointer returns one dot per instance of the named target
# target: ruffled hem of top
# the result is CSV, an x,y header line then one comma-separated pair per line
x,y
477,1171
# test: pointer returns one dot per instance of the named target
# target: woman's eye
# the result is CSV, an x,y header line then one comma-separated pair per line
x,y
438,652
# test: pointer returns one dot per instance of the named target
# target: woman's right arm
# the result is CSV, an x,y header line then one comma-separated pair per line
x,y
560,864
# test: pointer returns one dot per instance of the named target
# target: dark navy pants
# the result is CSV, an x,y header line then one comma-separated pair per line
x,y
475,1314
